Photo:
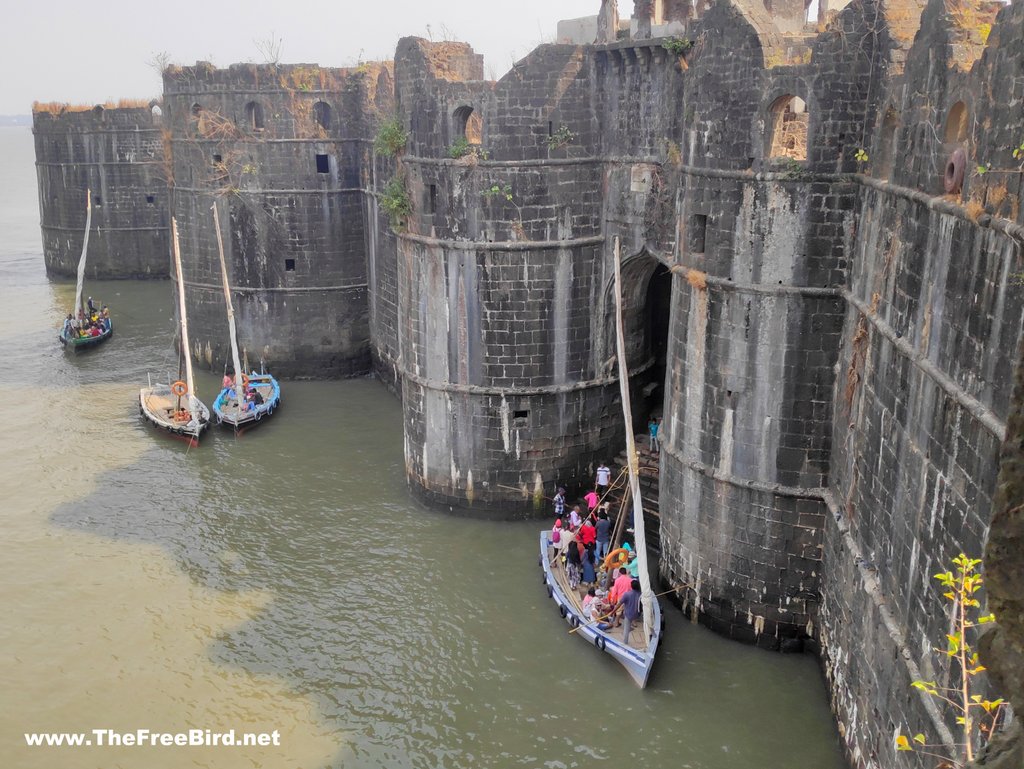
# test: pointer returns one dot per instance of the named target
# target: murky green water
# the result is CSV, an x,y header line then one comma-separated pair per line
x,y
286,580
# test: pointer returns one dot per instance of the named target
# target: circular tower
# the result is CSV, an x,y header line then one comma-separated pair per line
x,y
118,154
281,150
502,285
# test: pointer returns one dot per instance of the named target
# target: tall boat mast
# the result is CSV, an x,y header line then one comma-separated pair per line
x,y
85,248
631,458
186,352
230,306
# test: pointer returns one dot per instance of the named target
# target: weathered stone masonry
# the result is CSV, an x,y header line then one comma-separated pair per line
x,y
840,335
285,150
118,154
842,324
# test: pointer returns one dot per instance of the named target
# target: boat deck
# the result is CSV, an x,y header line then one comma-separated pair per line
x,y
228,407
636,635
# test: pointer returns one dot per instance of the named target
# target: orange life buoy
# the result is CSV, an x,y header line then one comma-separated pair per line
x,y
179,388
623,558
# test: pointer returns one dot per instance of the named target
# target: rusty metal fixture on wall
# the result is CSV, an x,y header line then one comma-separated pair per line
x,y
953,179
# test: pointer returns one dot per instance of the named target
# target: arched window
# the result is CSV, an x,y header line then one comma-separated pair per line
x,y
787,128
98,110
467,125
197,109
254,115
956,124
156,110
322,114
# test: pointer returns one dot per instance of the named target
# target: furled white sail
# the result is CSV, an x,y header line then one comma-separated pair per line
x,y
631,458
231,310
85,248
186,349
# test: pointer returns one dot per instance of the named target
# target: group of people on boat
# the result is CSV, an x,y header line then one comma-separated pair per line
x,y
607,582
251,397
91,321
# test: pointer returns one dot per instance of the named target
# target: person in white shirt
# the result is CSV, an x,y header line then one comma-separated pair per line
x,y
604,477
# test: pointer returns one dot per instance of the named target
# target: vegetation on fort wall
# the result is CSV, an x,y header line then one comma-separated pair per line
x,y
395,201
463,149
59,108
976,716
391,138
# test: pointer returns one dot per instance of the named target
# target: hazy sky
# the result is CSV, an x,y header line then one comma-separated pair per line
x,y
80,52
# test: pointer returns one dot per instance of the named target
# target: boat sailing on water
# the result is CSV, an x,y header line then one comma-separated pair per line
x,y
86,325
175,407
636,647
245,399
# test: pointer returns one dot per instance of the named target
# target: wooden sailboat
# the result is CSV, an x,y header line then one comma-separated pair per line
x,y
251,397
637,653
174,407
82,328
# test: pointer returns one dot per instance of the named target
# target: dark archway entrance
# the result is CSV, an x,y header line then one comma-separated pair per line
x,y
646,307
657,309
646,312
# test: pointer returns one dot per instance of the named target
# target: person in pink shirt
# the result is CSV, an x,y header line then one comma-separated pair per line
x,y
591,499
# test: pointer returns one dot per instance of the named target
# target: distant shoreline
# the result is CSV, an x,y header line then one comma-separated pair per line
x,y
8,121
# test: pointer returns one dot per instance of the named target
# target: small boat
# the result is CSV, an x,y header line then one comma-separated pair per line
x,y
84,328
250,398
181,415
266,398
174,407
75,342
637,656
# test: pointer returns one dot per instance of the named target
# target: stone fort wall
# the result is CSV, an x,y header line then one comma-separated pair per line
x,y
842,319
285,153
117,154
842,329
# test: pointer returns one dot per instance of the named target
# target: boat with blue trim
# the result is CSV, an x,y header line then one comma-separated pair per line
x,y
636,655
261,395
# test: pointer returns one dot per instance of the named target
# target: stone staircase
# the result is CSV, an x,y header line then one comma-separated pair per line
x,y
648,463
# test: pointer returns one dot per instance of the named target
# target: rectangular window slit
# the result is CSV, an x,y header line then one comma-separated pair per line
x,y
289,265
433,199
150,199
323,164
698,233
97,200
217,158
525,414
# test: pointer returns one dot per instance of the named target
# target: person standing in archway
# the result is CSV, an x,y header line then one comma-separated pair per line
x,y
604,477
652,428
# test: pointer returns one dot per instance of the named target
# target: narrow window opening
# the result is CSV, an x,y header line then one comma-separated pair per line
x,y
520,418
551,128
788,122
956,124
289,265
433,199
887,147
698,233
323,164
97,200
322,114
254,115
150,199
157,112
217,158
197,108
